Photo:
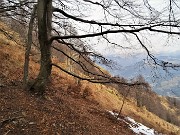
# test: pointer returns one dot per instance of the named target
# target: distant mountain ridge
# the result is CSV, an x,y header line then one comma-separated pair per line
x,y
163,83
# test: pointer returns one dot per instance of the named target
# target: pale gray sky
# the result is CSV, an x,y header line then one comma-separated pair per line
x,y
156,42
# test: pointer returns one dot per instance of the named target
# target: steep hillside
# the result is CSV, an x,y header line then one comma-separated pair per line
x,y
60,111
67,107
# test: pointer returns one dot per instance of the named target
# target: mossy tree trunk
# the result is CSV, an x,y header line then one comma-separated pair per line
x,y
44,15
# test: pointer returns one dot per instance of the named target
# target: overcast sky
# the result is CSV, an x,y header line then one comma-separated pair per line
x,y
156,42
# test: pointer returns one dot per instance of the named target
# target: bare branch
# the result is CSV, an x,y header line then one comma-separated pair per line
x,y
102,81
160,63
92,21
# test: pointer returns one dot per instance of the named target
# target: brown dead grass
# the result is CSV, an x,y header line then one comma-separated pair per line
x,y
111,101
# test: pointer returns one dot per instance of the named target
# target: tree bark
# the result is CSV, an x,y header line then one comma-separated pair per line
x,y
28,48
44,15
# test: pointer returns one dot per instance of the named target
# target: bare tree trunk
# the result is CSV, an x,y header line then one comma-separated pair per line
x,y
124,100
44,10
28,48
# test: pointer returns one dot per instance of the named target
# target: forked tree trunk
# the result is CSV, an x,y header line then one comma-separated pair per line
x,y
44,15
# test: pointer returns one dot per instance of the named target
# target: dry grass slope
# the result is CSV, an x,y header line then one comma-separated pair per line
x,y
67,107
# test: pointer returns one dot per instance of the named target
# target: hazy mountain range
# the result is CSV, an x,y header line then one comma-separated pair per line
x,y
163,82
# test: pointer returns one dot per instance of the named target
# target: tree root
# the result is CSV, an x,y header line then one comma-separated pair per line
x,y
9,120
